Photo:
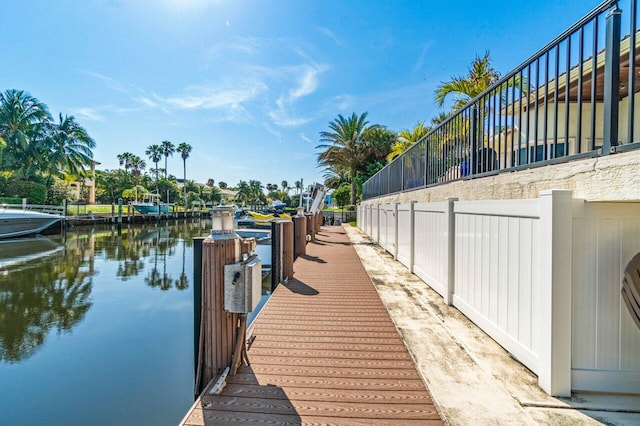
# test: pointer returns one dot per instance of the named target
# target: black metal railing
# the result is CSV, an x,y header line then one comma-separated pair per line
x,y
572,99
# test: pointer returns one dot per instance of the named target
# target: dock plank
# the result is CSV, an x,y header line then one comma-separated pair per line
x,y
324,352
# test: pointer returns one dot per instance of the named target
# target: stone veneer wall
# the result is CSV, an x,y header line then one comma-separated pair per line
x,y
614,177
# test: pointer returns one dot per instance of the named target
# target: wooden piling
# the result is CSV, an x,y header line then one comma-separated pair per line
x,y
300,236
287,250
282,247
218,329
310,227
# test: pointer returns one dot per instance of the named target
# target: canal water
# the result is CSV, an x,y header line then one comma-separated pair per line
x,y
96,326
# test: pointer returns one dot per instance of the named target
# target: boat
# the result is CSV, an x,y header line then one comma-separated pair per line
x,y
268,217
21,222
150,205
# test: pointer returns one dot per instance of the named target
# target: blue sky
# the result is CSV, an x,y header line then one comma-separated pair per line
x,y
250,84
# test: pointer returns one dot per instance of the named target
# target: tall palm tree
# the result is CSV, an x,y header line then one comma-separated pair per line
x,y
256,188
71,150
480,77
24,124
167,149
125,160
185,149
137,165
406,139
344,146
285,186
154,152
298,185
244,192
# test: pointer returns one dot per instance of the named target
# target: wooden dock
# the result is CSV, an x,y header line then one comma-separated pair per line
x,y
325,352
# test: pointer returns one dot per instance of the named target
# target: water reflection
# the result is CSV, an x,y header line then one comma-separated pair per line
x,y
46,283
49,290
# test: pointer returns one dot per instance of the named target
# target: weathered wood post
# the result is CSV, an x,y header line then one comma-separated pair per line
x,y
221,333
287,249
310,227
300,236
282,248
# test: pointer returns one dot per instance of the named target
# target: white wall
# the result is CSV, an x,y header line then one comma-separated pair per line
x,y
541,276
497,264
430,245
606,342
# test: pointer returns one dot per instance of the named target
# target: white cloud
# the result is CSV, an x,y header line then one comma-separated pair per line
x,y
305,138
327,32
90,114
339,103
307,82
423,54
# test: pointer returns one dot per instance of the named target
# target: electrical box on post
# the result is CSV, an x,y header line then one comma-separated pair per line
x,y
242,286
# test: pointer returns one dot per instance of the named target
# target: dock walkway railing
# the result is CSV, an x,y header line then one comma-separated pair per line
x,y
574,98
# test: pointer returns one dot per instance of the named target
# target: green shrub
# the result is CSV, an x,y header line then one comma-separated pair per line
x,y
10,200
35,193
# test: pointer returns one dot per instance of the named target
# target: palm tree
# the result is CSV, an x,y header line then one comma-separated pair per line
x,y
71,148
167,149
285,186
137,165
222,185
406,139
154,152
344,146
244,192
185,149
125,160
481,76
257,195
298,185
24,124
380,140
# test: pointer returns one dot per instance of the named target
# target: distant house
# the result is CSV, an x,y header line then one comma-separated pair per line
x,y
85,190
228,196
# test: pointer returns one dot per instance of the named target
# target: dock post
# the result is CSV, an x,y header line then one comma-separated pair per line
x,y
287,249
217,331
310,228
300,236
197,297
119,212
276,242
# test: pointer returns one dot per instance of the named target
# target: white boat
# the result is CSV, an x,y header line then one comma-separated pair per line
x,y
16,223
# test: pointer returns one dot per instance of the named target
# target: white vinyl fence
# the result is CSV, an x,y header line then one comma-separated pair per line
x,y
541,276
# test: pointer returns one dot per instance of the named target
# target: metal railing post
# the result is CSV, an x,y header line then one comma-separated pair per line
x,y
612,81
474,141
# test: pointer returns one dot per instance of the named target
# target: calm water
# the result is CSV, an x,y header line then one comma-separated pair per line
x,y
96,327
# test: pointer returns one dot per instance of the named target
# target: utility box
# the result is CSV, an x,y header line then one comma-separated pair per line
x,y
242,286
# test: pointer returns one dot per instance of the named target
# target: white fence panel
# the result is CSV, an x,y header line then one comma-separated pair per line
x,y
405,237
430,245
382,226
374,223
496,272
388,227
605,341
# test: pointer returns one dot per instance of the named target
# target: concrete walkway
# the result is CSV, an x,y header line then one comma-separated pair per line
x,y
472,380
